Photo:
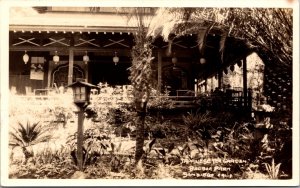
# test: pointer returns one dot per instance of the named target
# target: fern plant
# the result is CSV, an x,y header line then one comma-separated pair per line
x,y
199,125
28,135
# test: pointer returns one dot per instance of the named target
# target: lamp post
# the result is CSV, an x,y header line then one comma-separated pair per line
x,y
81,97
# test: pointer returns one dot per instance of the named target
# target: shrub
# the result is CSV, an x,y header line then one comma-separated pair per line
x,y
199,125
95,144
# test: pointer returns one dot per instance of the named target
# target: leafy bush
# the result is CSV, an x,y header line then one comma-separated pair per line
x,y
46,164
159,100
95,144
199,126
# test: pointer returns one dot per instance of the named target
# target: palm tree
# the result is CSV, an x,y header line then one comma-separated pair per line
x,y
28,135
140,76
269,29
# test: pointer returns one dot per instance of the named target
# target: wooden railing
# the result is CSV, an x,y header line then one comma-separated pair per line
x,y
213,100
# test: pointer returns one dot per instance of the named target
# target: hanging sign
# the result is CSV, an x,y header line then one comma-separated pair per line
x,y
37,68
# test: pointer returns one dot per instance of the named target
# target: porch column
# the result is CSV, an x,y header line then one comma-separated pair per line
x,y
196,87
205,85
86,67
212,83
159,70
220,75
71,64
245,89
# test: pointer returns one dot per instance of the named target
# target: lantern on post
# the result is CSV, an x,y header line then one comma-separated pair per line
x,y
262,116
81,97
81,92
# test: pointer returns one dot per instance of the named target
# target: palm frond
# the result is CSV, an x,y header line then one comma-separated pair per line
x,y
16,140
202,35
41,139
166,21
222,45
30,134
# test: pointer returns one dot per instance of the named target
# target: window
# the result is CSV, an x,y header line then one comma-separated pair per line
x,y
80,93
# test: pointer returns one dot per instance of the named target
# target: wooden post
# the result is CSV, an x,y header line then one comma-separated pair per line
x,y
86,69
205,85
196,87
71,64
245,89
212,83
220,76
80,138
249,99
159,70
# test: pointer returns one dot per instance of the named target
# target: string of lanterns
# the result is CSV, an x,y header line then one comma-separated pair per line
x,y
55,58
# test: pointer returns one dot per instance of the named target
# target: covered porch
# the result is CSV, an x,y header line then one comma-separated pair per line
x,y
57,55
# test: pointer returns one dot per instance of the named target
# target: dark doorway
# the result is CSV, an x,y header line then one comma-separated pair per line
x,y
109,72
175,78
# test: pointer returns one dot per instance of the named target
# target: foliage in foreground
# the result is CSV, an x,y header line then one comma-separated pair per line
x,y
168,145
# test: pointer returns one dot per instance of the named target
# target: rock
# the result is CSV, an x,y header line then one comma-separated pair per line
x,y
79,175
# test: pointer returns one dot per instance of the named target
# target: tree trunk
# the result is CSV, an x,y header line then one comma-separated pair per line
x,y
140,77
27,153
140,133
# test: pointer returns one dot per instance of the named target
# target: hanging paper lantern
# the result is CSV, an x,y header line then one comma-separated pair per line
x,y
116,59
202,60
174,60
25,57
85,58
55,58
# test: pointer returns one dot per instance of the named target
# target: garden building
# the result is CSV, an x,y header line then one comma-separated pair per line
x,y
194,94
50,47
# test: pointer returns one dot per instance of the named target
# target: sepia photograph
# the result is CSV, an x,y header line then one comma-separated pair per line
x,y
166,94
